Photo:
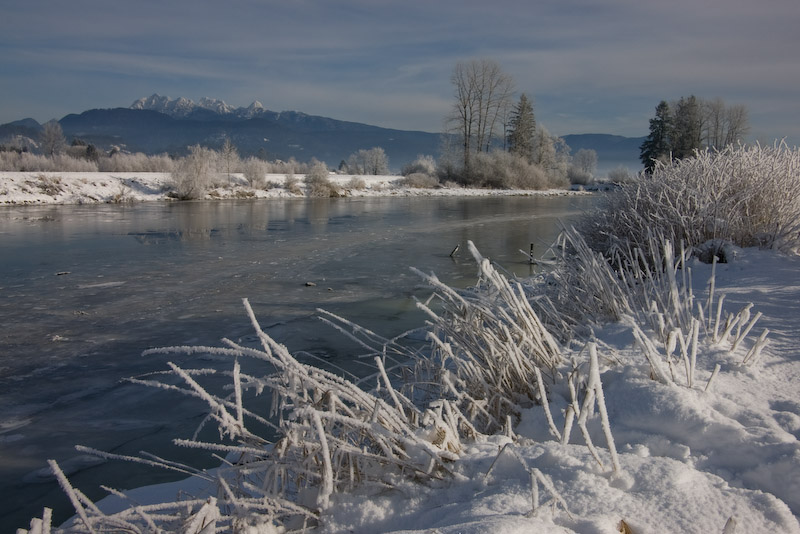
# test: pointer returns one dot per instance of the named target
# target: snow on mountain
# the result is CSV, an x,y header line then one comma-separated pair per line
x,y
182,107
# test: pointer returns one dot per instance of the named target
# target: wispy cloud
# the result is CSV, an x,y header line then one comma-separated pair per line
x,y
590,66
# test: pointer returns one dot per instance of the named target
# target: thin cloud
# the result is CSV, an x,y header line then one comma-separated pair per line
x,y
589,66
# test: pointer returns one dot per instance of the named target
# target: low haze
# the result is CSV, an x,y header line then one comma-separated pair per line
x,y
589,66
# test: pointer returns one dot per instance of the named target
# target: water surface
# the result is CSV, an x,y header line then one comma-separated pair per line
x,y
85,289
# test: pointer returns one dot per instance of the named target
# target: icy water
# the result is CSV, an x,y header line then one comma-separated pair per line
x,y
85,289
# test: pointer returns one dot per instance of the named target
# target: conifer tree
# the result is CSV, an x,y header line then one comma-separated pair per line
x,y
688,128
522,129
658,144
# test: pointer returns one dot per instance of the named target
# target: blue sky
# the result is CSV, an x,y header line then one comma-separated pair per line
x,y
589,66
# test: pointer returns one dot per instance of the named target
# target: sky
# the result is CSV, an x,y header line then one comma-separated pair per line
x,y
589,66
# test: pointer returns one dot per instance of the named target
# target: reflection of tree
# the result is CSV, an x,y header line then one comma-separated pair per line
x,y
319,213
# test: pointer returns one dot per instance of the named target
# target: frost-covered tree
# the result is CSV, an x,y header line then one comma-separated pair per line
x,y
585,160
550,153
482,92
581,170
230,156
52,139
373,162
522,127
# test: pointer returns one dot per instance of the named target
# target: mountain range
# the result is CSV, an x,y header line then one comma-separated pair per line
x,y
159,124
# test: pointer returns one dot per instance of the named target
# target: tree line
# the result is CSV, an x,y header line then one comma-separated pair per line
x,y
682,127
492,140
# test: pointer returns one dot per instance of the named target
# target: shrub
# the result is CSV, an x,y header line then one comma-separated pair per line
x,y
27,162
254,172
318,182
419,180
421,165
356,183
194,173
503,170
121,162
292,184
621,175
745,195
578,176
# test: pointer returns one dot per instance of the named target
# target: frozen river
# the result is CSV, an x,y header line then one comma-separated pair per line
x,y
85,289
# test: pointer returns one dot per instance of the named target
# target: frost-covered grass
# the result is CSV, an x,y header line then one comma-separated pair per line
x,y
744,195
474,432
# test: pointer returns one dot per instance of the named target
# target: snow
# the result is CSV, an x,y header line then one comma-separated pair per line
x,y
692,460
21,188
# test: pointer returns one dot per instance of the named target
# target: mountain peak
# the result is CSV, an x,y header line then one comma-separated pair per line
x,y
182,107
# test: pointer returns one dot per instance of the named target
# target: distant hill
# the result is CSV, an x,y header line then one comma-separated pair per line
x,y
174,125
159,124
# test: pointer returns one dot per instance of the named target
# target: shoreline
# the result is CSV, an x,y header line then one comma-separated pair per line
x,y
74,188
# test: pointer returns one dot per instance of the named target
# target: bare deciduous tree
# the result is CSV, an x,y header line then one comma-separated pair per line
x,y
482,95
723,125
229,155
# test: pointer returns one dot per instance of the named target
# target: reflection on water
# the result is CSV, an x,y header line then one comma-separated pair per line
x,y
85,289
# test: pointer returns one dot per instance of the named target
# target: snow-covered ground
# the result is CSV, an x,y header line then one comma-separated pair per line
x,y
722,460
725,459
118,187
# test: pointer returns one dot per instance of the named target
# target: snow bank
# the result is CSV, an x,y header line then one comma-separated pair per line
x,y
20,188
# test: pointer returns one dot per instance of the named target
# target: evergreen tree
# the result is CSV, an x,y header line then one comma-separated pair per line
x,y
688,128
522,129
658,144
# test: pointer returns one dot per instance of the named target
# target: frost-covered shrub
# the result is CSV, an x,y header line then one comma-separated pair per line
x,y
646,288
503,170
194,173
578,176
746,195
419,181
621,175
121,162
254,171
28,162
292,184
421,165
319,183
356,182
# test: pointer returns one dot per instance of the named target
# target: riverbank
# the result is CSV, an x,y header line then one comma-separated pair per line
x,y
718,457
32,188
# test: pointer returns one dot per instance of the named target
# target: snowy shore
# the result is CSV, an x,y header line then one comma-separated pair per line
x,y
725,459
23,188
719,456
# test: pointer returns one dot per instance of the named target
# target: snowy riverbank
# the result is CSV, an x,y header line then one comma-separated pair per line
x,y
725,459
21,188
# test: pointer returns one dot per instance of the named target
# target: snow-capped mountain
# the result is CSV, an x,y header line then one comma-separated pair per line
x,y
183,107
